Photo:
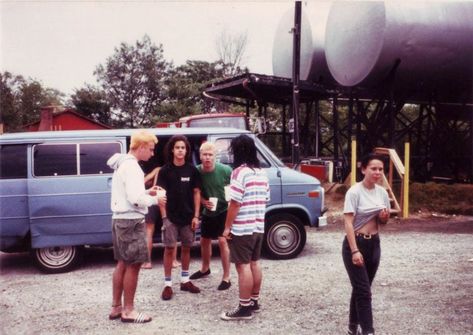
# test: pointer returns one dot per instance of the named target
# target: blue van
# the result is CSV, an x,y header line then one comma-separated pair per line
x,y
55,192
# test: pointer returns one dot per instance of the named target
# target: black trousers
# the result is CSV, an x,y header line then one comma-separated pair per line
x,y
361,278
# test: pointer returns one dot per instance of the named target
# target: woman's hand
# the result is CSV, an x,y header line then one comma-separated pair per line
x,y
383,215
357,259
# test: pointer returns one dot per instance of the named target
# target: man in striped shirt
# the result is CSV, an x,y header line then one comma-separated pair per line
x,y
244,225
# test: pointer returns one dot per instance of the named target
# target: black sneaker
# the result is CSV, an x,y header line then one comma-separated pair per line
x,y
199,274
240,313
224,285
255,307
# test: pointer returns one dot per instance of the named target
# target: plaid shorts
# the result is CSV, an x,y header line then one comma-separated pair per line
x,y
129,240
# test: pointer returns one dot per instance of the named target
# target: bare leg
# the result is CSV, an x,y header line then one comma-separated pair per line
x,y
245,281
130,282
167,260
149,242
206,251
257,276
185,257
175,262
225,256
117,287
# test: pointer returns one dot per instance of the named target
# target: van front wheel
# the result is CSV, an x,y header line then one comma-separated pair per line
x,y
57,259
285,236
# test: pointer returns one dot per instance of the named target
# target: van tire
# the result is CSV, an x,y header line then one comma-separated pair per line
x,y
285,236
58,259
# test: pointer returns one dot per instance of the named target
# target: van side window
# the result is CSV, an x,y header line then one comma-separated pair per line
x,y
94,156
73,159
55,160
224,156
13,162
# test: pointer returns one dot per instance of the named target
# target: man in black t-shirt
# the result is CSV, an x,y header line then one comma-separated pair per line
x,y
180,215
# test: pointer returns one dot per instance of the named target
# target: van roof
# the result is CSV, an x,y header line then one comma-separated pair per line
x,y
110,133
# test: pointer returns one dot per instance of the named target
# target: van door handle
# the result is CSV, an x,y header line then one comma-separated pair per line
x,y
278,174
109,182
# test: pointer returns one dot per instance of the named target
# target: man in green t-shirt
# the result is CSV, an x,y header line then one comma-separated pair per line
x,y
215,177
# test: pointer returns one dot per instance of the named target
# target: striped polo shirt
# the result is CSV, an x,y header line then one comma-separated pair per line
x,y
250,188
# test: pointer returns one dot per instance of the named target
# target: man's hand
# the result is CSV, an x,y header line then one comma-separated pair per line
x,y
195,223
206,203
226,234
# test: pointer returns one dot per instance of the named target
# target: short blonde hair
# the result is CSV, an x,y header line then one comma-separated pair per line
x,y
207,146
142,137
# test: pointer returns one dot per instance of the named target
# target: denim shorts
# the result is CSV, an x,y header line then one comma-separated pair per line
x,y
171,232
129,240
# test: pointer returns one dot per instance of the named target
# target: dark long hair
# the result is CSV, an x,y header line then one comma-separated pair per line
x,y
243,149
170,146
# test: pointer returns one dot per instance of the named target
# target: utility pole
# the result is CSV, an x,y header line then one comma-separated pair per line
x,y
296,57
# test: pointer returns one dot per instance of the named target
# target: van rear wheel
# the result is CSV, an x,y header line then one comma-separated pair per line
x,y
57,259
285,236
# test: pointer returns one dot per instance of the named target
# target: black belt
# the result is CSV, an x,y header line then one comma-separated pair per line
x,y
366,236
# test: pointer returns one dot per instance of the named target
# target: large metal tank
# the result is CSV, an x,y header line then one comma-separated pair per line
x,y
313,65
425,47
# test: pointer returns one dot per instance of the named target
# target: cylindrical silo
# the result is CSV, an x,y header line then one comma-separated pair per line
x,y
312,61
425,47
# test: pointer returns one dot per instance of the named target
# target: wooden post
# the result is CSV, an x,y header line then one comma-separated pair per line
x,y
405,202
353,161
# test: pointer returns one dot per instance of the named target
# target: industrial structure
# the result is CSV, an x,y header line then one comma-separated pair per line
x,y
384,73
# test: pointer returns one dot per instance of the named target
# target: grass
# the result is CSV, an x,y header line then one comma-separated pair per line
x,y
441,198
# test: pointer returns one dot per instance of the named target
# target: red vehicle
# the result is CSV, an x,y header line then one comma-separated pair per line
x,y
232,120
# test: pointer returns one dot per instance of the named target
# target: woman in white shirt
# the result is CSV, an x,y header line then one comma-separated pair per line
x,y
366,206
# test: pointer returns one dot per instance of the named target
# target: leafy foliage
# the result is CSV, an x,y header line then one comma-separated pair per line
x,y
21,100
133,80
92,102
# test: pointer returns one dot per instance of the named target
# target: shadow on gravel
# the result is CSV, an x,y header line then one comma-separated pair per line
x,y
93,257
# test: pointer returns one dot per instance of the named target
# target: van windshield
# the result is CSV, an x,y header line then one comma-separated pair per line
x,y
268,152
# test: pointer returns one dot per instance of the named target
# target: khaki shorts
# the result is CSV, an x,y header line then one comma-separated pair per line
x,y
245,249
129,240
170,232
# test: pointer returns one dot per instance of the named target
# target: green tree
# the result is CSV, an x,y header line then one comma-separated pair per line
x,y
92,102
134,82
21,100
185,85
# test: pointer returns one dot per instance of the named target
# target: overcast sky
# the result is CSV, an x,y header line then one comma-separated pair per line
x,y
61,42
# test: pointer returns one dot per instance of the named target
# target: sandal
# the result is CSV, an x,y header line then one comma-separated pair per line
x,y
147,266
114,316
140,318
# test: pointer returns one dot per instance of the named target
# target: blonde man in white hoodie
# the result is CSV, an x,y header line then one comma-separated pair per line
x,y
130,202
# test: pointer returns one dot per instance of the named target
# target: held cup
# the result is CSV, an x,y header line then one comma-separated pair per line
x,y
161,192
227,193
214,201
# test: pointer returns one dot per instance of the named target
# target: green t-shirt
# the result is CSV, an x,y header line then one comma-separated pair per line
x,y
213,186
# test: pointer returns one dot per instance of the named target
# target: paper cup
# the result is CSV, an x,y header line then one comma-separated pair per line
x,y
214,201
227,193
161,193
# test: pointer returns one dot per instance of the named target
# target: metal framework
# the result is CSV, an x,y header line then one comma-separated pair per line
x,y
440,134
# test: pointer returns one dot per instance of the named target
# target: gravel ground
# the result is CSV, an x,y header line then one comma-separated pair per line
x,y
424,286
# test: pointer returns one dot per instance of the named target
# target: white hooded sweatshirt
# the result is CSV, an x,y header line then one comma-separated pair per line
x,y
130,200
